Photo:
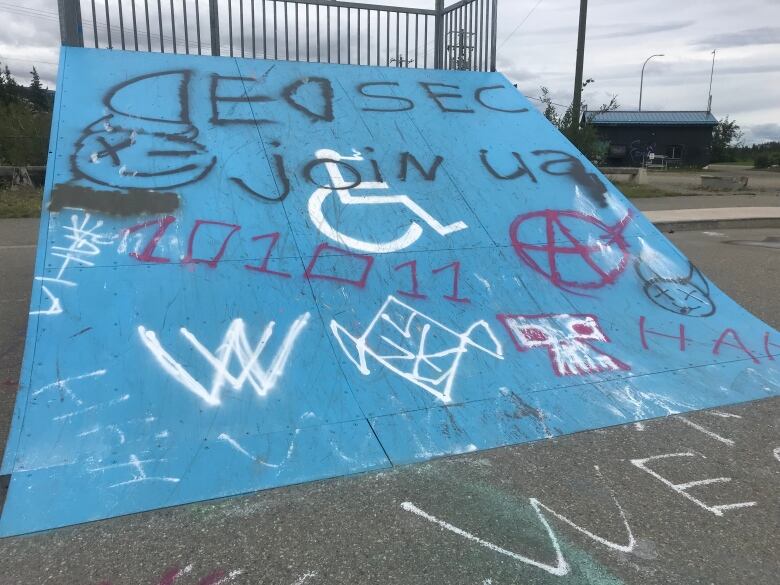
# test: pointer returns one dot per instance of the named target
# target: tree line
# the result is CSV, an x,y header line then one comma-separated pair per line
x,y
25,119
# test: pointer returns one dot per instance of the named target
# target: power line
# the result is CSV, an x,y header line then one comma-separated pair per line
x,y
27,8
27,60
522,22
102,27
530,97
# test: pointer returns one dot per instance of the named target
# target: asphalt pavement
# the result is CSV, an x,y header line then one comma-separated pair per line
x,y
679,500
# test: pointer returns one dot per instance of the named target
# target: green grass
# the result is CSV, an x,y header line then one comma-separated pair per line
x,y
638,191
21,203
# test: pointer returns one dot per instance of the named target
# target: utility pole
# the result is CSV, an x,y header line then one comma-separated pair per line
x,y
577,102
460,50
402,61
712,73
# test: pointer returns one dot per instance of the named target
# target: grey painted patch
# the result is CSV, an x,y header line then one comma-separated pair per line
x,y
768,242
129,202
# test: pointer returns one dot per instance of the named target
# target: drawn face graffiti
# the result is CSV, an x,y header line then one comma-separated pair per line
x,y
140,146
132,158
575,251
685,295
568,340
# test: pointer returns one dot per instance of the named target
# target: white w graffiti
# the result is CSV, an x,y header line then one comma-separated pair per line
x,y
235,343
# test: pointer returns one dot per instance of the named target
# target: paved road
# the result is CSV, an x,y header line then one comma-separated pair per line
x,y
586,508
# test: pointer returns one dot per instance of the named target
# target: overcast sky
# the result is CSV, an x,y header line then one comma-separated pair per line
x,y
621,35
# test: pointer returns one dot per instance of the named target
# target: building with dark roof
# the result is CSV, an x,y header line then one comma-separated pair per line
x,y
656,139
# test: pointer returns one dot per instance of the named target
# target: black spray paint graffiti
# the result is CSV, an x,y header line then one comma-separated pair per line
x,y
144,145
687,295
316,88
521,170
138,149
571,166
131,148
444,100
282,185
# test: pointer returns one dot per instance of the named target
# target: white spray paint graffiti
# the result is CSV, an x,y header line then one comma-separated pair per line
x,y
681,488
85,243
721,414
55,307
234,343
484,282
63,385
233,443
706,431
230,577
561,566
305,577
113,402
139,475
342,189
640,402
399,337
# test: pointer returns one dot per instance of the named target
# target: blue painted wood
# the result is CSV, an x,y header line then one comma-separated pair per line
x,y
360,270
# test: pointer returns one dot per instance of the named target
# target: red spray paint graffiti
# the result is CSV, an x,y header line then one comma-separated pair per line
x,y
358,281
729,338
264,265
604,256
176,575
214,260
568,340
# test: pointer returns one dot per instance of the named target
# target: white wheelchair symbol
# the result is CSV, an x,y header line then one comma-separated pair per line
x,y
342,188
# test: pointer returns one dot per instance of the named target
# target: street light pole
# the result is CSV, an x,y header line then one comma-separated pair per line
x,y
642,78
712,73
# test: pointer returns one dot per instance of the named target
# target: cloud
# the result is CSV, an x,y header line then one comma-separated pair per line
x,y
759,133
623,31
621,35
743,38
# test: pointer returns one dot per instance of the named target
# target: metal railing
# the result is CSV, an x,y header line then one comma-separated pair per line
x,y
459,36
470,28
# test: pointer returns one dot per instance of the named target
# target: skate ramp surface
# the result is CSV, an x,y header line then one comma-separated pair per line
x,y
253,273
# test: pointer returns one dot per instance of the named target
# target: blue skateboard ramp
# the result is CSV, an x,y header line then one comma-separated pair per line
x,y
253,273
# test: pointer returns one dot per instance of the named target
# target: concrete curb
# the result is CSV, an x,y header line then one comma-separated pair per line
x,y
709,224
715,218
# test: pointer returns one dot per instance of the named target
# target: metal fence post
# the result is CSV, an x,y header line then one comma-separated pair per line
x,y
214,25
71,32
438,35
494,36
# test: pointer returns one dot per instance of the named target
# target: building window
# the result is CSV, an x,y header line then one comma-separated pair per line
x,y
674,151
